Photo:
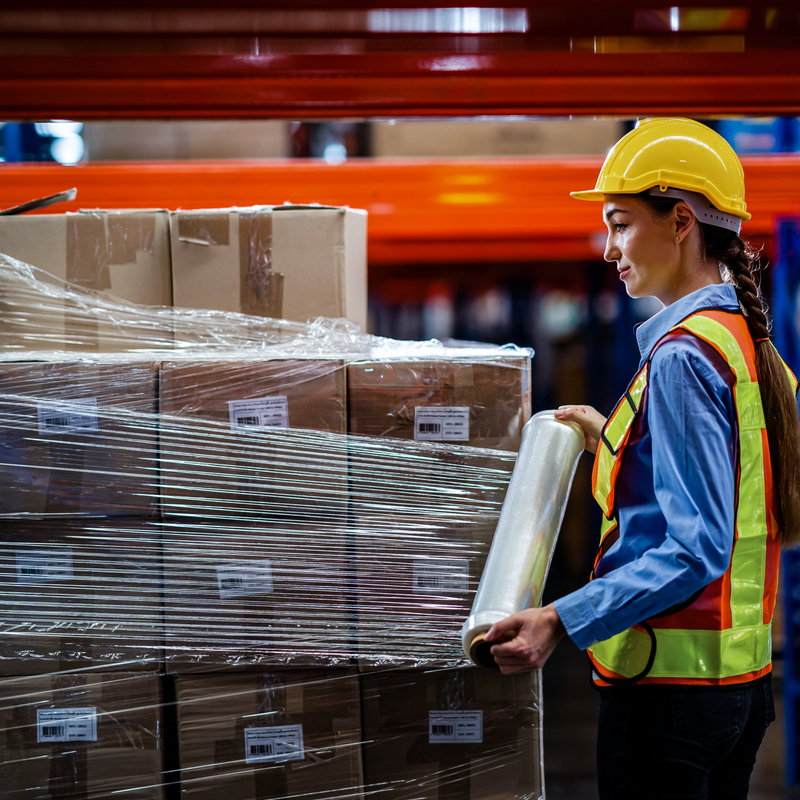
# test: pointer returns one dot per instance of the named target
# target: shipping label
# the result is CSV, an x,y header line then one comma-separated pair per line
x,y
455,727
433,575
68,416
66,724
441,424
244,578
266,412
278,743
40,566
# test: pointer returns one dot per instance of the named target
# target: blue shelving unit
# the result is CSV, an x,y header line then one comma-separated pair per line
x,y
786,335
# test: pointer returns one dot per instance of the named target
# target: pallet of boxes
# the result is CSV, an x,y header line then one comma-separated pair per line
x,y
236,551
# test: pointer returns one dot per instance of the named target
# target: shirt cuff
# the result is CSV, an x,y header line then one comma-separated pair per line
x,y
577,615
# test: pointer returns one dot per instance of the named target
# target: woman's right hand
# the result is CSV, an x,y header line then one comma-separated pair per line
x,y
589,419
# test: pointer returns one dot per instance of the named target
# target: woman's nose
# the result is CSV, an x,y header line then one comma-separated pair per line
x,y
611,252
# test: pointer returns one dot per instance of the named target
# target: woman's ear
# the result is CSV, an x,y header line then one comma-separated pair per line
x,y
683,219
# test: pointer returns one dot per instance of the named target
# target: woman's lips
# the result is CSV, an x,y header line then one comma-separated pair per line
x,y
623,271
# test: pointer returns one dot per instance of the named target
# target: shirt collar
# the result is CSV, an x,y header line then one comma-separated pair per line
x,y
718,295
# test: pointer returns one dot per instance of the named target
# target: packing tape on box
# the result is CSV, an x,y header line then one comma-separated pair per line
x,y
527,530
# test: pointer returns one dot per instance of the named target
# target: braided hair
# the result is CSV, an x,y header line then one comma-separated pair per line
x,y
739,265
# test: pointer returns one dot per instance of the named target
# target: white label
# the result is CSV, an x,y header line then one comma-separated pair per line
x,y
243,578
68,416
39,566
268,412
433,575
455,726
280,743
66,725
441,424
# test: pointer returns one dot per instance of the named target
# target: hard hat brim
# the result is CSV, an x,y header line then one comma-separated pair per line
x,y
589,194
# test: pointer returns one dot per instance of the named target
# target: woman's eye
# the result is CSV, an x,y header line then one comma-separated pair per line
x,y
619,226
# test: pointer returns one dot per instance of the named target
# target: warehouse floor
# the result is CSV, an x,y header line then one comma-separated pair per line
x,y
570,718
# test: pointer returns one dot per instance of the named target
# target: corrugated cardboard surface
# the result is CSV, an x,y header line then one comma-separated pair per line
x,y
298,611
294,262
104,610
125,759
123,253
398,754
107,471
383,397
427,572
206,465
215,710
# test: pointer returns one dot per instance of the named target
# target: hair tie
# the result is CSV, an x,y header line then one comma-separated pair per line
x,y
765,339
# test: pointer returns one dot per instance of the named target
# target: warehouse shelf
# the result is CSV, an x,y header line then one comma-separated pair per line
x,y
421,211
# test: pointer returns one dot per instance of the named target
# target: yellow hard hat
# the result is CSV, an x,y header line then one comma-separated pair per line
x,y
671,153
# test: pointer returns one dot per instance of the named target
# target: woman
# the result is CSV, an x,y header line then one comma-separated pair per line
x,y
698,475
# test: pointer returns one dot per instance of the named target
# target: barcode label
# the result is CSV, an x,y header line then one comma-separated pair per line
x,y
244,578
455,727
40,566
441,423
66,725
279,743
266,412
435,575
68,416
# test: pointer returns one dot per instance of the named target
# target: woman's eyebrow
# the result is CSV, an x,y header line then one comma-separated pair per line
x,y
610,213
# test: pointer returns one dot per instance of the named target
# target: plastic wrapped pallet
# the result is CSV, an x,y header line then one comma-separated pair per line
x,y
237,597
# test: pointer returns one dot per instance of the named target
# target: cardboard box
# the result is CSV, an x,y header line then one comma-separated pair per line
x,y
115,729
236,437
295,262
80,595
78,438
255,594
477,402
554,137
123,253
459,734
270,736
415,583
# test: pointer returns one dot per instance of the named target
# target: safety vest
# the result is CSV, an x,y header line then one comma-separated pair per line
x,y
722,635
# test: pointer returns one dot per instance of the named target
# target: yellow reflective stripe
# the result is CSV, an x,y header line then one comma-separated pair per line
x,y
749,555
637,388
619,424
749,408
615,431
717,333
606,526
688,653
603,486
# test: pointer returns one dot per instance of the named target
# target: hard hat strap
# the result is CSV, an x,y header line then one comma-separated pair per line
x,y
702,207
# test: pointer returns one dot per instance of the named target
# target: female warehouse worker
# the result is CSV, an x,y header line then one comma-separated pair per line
x,y
698,475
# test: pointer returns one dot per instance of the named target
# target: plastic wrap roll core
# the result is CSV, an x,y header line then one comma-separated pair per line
x,y
527,530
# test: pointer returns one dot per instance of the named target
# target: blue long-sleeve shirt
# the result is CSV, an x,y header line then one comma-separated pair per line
x,y
675,491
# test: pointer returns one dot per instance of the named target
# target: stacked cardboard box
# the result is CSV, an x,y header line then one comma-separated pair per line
x,y
311,261
82,735
459,734
213,506
270,735
482,402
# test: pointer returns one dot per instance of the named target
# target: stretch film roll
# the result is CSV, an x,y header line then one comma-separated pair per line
x,y
527,530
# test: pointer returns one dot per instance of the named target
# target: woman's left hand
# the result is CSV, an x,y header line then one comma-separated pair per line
x,y
535,632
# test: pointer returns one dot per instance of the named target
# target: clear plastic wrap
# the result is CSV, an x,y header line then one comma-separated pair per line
x,y
212,587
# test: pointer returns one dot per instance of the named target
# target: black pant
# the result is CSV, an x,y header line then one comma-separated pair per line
x,y
678,743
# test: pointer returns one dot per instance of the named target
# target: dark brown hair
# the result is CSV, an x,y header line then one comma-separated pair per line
x,y
739,266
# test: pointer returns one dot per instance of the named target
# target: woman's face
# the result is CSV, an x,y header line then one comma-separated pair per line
x,y
644,246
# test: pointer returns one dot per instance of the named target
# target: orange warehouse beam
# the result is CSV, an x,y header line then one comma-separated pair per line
x,y
454,211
